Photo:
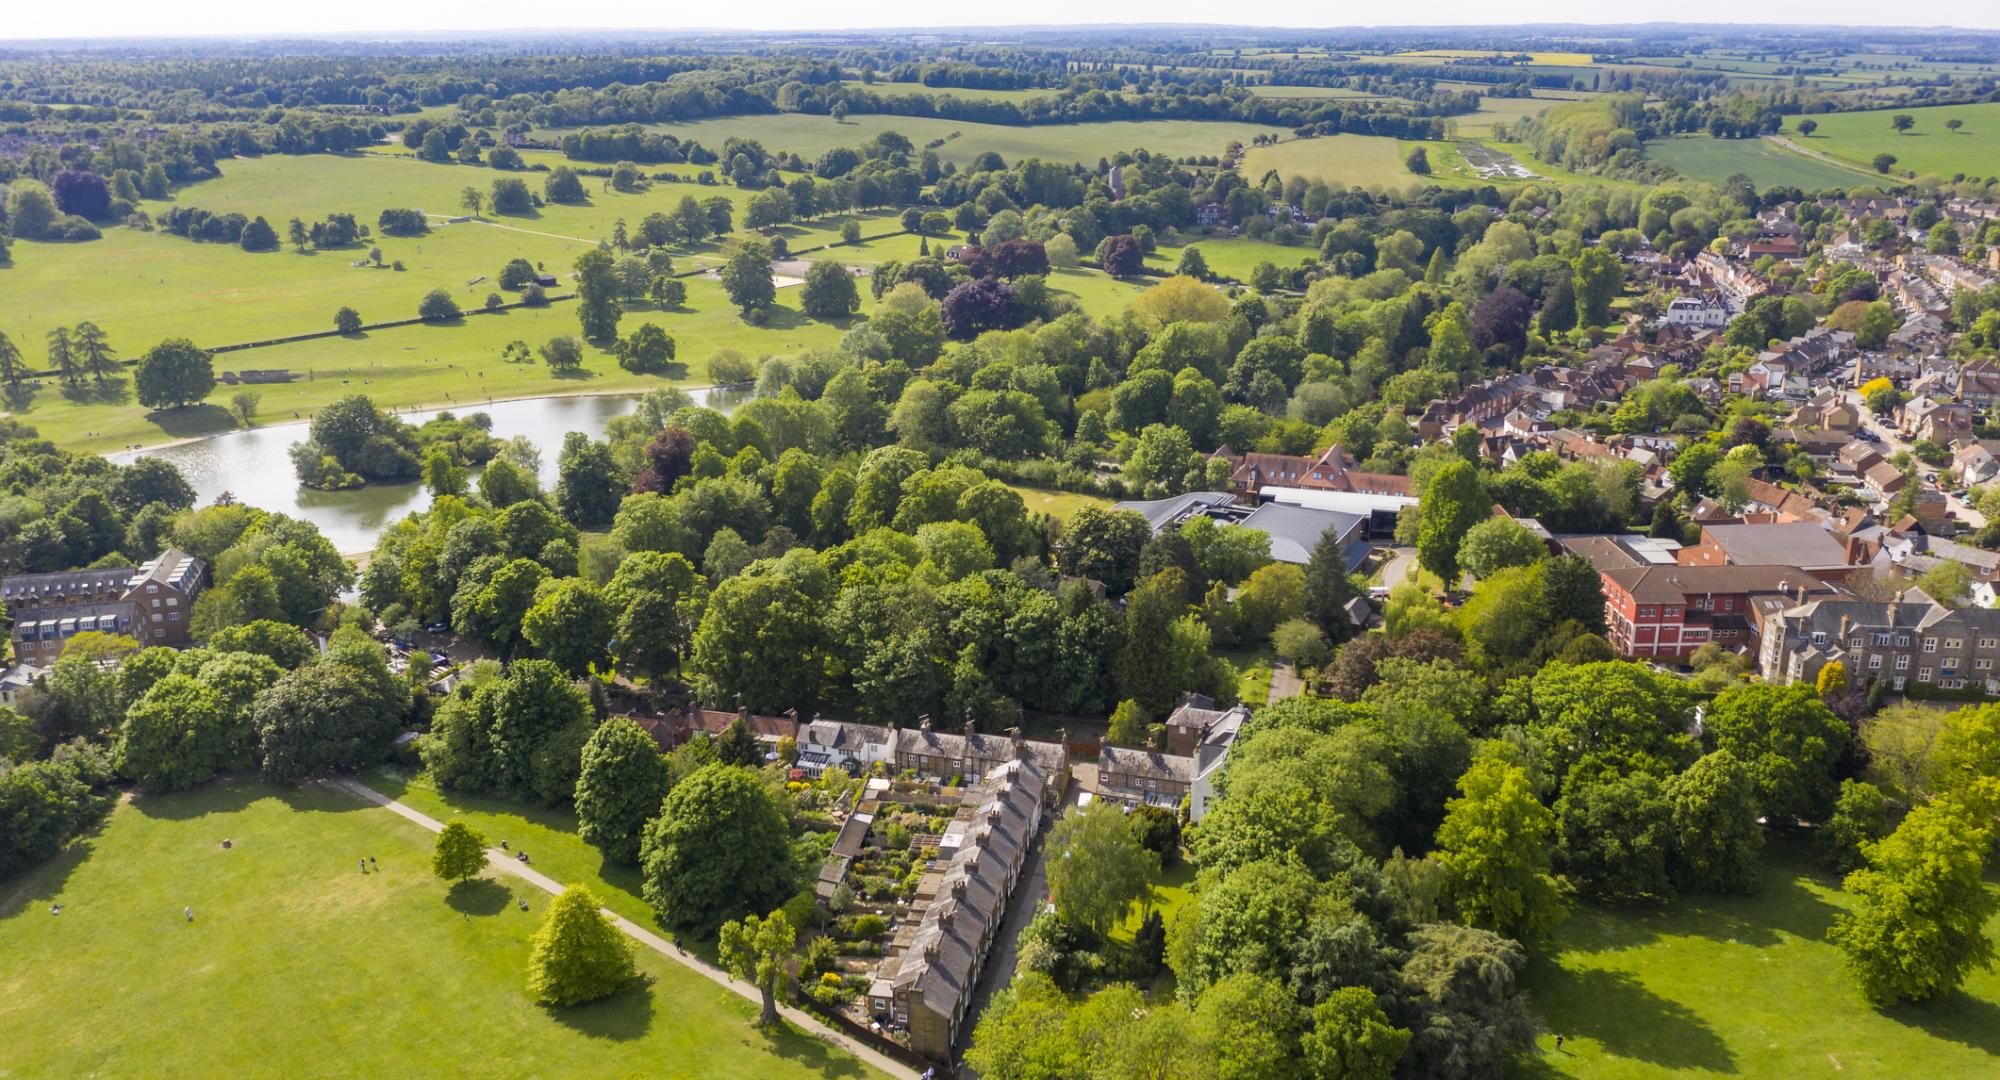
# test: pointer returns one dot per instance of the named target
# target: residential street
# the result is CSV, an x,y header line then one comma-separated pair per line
x,y
1893,441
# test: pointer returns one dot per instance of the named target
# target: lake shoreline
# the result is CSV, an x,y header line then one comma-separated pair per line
x,y
398,410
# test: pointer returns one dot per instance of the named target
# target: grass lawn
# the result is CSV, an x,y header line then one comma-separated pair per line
x,y
1494,110
1928,147
1234,256
1767,165
1057,504
810,136
299,965
1172,892
1743,986
1253,671
1342,160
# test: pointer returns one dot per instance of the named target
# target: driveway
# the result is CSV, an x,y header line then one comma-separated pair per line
x,y
1402,560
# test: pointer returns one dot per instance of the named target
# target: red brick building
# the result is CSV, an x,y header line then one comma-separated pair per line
x,y
1667,612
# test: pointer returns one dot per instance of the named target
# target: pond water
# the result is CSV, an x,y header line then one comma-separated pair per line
x,y
255,466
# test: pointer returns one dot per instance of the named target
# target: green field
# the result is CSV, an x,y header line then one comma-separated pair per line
x,y
1321,93
1928,148
1742,986
810,136
1767,165
1342,160
1057,504
1494,110
1233,256
962,93
298,965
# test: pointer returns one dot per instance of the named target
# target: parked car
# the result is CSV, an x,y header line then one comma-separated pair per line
x,y
438,628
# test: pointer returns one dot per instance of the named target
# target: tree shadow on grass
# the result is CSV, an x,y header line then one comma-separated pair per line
x,y
574,374
1631,1021
221,796
190,421
20,397
622,1017
92,392
35,889
478,896
1960,1018
778,317
809,1050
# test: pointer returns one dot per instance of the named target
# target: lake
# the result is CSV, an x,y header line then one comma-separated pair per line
x,y
255,466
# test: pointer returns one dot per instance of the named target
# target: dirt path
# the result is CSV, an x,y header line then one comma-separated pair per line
x,y
506,862
1825,159
530,232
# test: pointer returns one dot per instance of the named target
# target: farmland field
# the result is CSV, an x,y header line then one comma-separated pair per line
x,y
1929,147
1714,160
1741,986
1343,160
295,963
1494,110
810,136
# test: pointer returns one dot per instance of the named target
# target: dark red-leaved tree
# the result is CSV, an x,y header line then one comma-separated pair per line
x,y
1122,256
1017,258
84,194
1502,319
668,458
975,307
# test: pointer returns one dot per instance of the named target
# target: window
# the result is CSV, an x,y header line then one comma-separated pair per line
x,y
1987,642
1819,637
1645,613
1954,644
1855,642
1982,664
1930,644
1924,675
173,601
1899,682
1882,639
156,616
1875,661
173,616
1903,662
1902,641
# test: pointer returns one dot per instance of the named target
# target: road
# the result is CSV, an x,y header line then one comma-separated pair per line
x,y
1893,441
506,863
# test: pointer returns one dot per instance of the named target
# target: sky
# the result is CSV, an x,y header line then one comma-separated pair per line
x,y
130,18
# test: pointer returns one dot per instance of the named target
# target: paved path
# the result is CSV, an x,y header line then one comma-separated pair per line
x,y
1285,683
1822,158
507,862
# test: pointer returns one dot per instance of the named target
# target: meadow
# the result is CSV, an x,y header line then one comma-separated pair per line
x,y
810,136
1741,986
1233,256
1766,164
1928,148
1344,160
297,964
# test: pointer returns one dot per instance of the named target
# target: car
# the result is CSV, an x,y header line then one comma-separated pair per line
x,y
438,628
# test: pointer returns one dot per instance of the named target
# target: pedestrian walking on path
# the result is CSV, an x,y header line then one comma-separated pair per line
x,y
189,912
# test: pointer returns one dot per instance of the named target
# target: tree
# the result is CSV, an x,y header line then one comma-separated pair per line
x,y
563,353
1192,264
31,210
12,368
1497,543
321,718
570,624
1471,1017
174,737
1023,1033
472,200
596,296
1097,869
1121,256
174,374
347,321
83,193
1494,847
829,292
258,235
1103,545
1884,162
1860,817
460,852
562,185
647,350
756,951
973,307
438,306
94,354
1329,588
719,848
1301,644
577,955
1918,925
1902,122
1807,127
1787,738
1250,1026
1598,279
1453,502
746,277
1616,833
589,483
1717,838
1352,1038
624,780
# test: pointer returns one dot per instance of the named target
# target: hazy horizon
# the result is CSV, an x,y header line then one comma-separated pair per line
x,y
380,20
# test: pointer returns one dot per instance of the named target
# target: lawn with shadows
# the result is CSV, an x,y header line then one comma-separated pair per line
x,y
1741,986
299,964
